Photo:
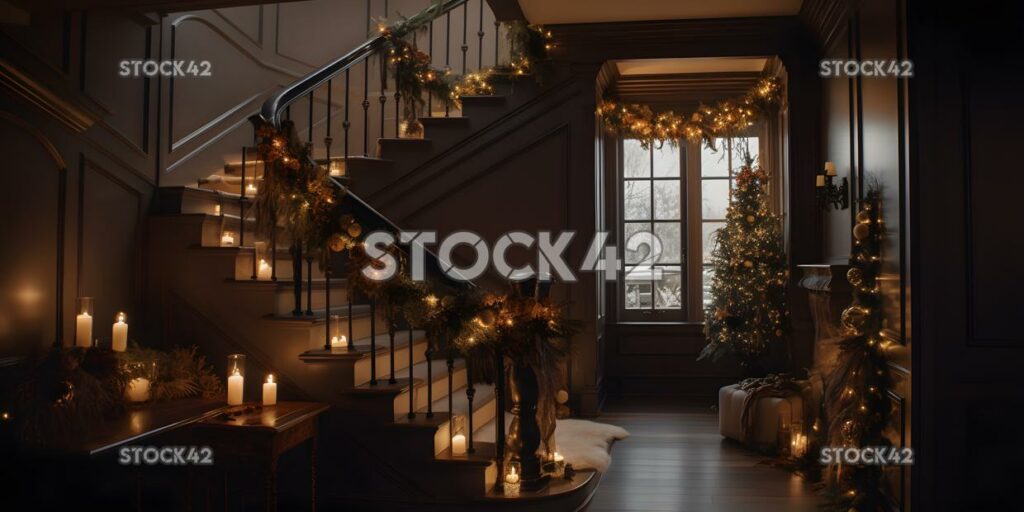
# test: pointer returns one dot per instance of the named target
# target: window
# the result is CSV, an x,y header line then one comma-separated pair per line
x,y
717,171
653,232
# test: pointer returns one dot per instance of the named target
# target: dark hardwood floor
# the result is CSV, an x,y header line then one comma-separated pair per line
x,y
675,460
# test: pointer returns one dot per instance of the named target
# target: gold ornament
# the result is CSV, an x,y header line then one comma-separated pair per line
x,y
863,217
750,219
487,318
861,231
748,264
336,243
354,230
721,314
855,276
853,318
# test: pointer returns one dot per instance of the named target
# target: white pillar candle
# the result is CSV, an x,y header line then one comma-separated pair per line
x,y
227,239
819,180
83,331
250,189
830,168
235,384
216,209
264,270
120,334
339,342
511,486
459,444
138,390
270,391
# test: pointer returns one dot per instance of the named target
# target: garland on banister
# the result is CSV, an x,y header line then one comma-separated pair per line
x,y
857,396
727,119
415,76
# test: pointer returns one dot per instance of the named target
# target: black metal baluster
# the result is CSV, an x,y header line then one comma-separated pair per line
x,y
366,107
373,341
273,247
499,395
327,302
398,100
497,36
296,252
391,355
412,386
430,380
241,205
348,300
451,411
430,51
345,124
447,50
480,39
465,29
309,285
470,393
383,98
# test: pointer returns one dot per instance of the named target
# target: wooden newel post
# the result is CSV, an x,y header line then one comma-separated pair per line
x,y
524,433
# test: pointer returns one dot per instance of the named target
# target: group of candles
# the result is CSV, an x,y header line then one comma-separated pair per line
x,y
83,327
236,383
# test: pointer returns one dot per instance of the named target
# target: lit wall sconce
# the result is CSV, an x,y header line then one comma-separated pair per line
x,y
829,194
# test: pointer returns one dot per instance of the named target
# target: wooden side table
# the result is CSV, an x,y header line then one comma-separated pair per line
x,y
263,433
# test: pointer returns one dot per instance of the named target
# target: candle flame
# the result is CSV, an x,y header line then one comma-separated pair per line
x,y
121,317
270,378
236,372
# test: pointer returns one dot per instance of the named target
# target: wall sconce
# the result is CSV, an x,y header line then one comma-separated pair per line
x,y
830,194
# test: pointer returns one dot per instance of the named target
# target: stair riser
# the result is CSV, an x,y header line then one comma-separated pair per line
x,y
360,329
362,369
439,389
285,297
484,413
243,266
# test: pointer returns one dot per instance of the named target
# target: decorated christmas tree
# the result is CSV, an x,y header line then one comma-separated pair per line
x,y
748,311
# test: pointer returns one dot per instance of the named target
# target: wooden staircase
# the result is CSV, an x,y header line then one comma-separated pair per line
x,y
375,454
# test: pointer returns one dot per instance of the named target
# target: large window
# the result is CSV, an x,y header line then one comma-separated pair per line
x,y
653,231
717,172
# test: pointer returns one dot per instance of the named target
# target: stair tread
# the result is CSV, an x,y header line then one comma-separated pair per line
x,y
484,394
439,372
362,346
317,282
319,315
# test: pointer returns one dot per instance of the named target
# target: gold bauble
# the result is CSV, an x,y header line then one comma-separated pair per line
x,y
863,217
487,318
861,231
721,314
853,318
336,243
855,276
354,230
778,332
750,219
748,264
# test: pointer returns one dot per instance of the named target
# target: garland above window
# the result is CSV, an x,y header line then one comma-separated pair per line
x,y
727,119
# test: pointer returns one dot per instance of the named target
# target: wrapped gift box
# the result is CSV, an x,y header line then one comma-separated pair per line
x,y
769,414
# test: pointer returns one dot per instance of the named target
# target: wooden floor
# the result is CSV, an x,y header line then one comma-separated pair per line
x,y
675,460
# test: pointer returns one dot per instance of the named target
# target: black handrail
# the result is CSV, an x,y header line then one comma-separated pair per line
x,y
276,103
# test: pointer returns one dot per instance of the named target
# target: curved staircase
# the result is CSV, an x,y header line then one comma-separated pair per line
x,y
375,455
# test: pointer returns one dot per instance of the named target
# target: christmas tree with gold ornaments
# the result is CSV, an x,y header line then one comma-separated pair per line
x,y
747,313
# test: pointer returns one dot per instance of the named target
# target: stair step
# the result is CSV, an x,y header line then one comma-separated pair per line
x,y
438,383
320,315
483,99
483,411
444,121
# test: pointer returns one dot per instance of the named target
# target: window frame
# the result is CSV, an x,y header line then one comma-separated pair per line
x,y
653,314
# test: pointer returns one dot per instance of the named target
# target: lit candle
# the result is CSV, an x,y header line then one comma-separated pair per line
x,y
83,333
264,271
830,168
138,390
559,461
235,383
798,446
227,239
819,180
512,481
120,333
270,391
251,188
459,444
216,209
339,342
335,168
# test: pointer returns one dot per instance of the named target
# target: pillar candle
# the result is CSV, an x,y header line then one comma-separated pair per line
x,y
138,390
120,334
270,391
819,180
264,271
227,239
83,331
339,342
459,444
216,209
235,384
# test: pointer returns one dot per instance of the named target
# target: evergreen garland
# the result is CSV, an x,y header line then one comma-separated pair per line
x,y
748,310
857,396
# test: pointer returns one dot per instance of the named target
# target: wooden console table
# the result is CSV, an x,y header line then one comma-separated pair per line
x,y
263,433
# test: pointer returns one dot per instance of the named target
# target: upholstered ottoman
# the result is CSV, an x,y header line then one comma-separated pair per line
x,y
769,413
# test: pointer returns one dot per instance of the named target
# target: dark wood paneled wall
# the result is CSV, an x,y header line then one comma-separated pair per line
x,y
966,242
864,131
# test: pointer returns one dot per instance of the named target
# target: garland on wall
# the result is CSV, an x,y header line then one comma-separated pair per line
x,y
857,396
726,119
